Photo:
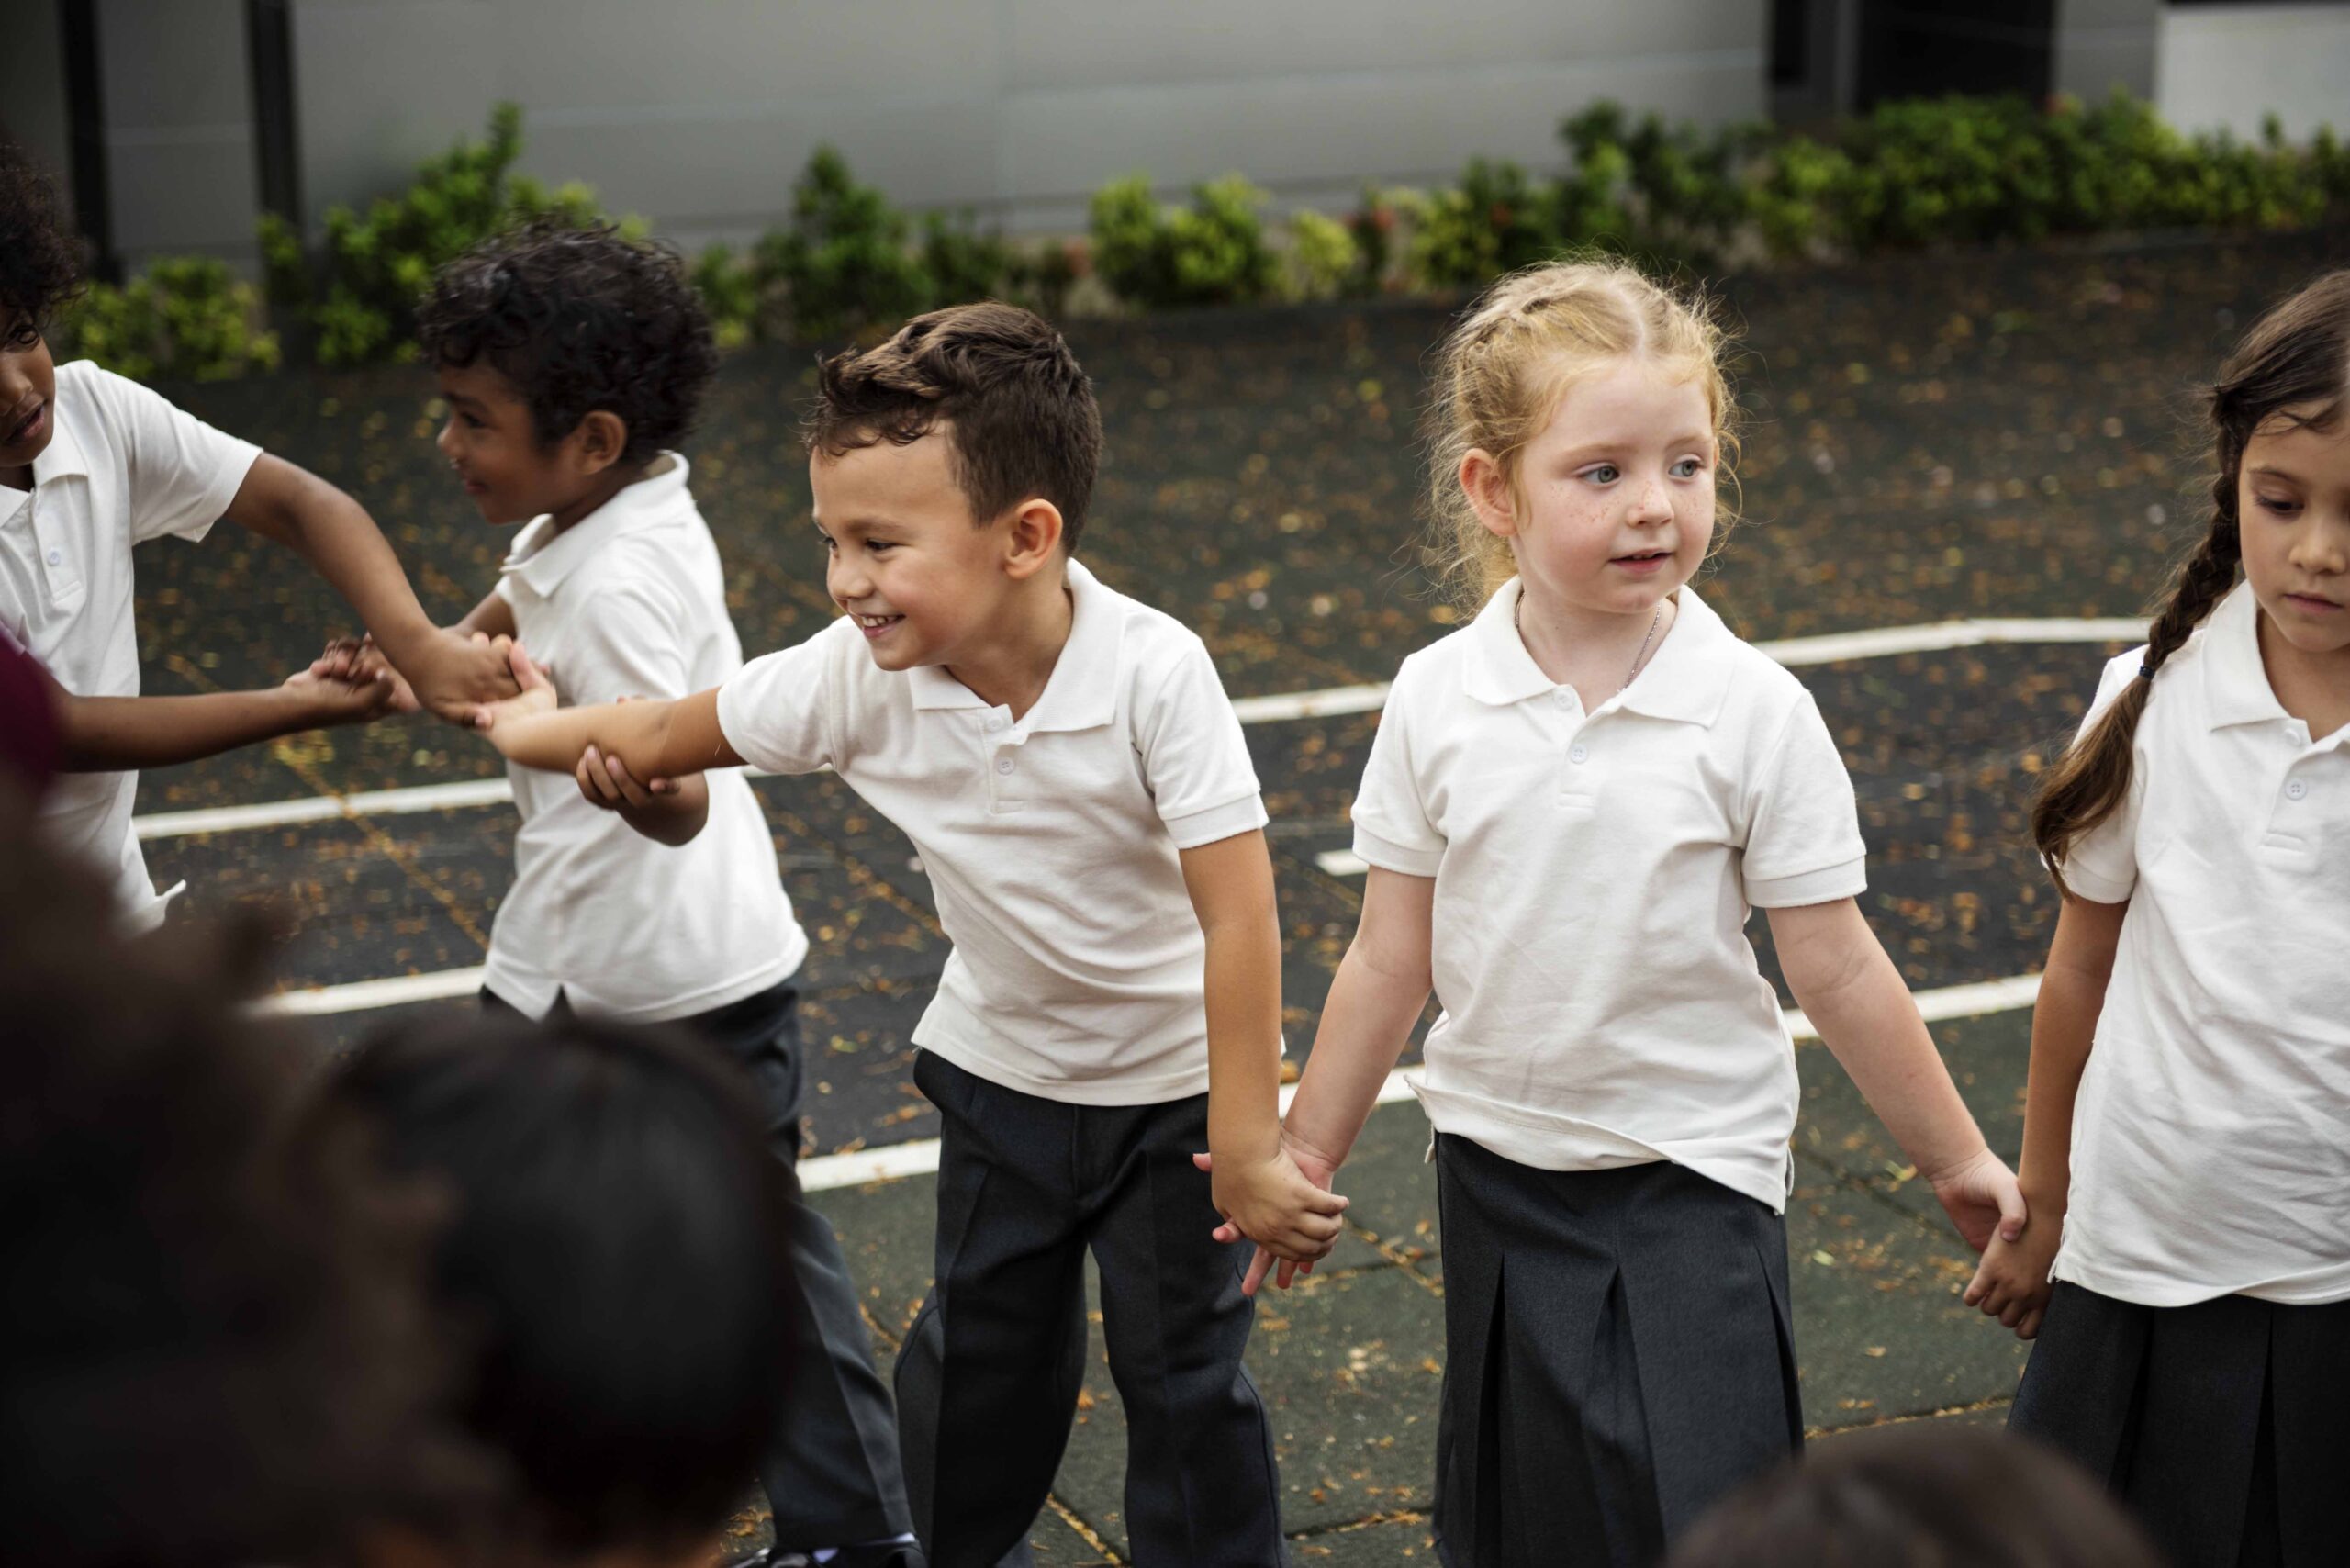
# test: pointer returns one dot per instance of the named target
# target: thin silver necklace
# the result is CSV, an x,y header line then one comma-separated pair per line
x,y
1518,623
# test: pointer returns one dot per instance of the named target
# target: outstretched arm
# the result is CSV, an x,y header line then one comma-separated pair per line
x,y
1854,997
333,532
2012,1282
651,739
106,734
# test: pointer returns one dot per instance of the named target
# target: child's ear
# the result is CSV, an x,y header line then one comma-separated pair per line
x,y
1491,495
601,438
1031,538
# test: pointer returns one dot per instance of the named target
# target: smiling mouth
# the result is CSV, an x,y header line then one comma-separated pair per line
x,y
1644,557
23,427
877,622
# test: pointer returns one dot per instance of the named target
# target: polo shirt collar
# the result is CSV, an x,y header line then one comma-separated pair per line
x,y
1685,679
1083,691
2235,683
62,457
542,558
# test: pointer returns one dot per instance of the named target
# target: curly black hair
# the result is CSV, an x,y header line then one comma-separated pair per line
x,y
577,319
40,257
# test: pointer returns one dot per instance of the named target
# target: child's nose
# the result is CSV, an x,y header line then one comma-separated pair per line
x,y
447,438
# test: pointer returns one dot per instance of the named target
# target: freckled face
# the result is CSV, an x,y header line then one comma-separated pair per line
x,y
2293,512
905,557
1616,492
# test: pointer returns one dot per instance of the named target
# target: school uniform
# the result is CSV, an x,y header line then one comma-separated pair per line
x,y
122,467
631,602
2196,1353
1067,1051
1611,1082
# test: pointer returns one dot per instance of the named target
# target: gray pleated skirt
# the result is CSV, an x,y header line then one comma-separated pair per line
x,y
2223,1426
1618,1356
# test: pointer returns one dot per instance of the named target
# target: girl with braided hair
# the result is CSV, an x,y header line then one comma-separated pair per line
x,y
1572,806
2185,1265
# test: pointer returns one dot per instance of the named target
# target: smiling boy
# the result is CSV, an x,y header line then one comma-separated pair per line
x,y
1066,762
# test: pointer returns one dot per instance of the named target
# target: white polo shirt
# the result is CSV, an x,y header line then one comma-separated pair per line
x,y
2211,1133
1594,872
1050,840
124,466
630,601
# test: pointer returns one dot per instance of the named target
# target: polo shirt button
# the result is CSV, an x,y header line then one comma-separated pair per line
x,y
1003,765
995,721
57,557
1579,752
2296,790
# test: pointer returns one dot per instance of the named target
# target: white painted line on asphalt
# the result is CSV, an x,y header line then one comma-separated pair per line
x,y
322,808
362,996
1945,634
1277,708
921,1158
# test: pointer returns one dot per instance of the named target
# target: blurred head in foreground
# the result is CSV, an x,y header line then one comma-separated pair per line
x,y
614,1259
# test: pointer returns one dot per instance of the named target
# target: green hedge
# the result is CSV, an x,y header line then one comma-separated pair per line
x,y
1910,174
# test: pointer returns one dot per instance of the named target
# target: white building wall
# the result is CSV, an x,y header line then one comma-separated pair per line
x,y
700,113
179,127
2229,66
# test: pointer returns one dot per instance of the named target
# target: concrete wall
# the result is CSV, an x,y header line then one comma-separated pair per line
x,y
179,127
699,115
2227,66
33,111
2102,44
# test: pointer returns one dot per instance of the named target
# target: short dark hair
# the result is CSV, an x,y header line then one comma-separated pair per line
x,y
579,320
1019,411
618,1250
40,259
1918,1496
219,1344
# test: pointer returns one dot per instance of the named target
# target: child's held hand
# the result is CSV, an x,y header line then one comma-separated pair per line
x,y
1981,1197
328,699
358,658
457,674
537,695
2011,1283
1284,1204
608,785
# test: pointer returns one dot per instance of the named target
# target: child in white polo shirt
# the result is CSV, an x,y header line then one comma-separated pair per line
x,y
572,361
2187,1132
1066,763
1570,806
91,465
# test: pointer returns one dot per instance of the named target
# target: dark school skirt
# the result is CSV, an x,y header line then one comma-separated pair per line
x,y
2225,1425
1617,1356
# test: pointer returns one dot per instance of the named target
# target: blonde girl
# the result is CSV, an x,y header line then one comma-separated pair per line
x,y
2186,1127
1570,807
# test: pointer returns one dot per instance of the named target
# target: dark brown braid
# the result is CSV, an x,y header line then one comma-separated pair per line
x,y
2293,367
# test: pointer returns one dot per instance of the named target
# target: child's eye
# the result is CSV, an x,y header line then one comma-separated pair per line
x,y
23,335
1603,474
473,422
1687,468
881,547
2280,505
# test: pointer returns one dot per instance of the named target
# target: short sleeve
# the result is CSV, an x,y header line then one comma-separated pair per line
x,y
626,641
1194,759
183,474
1803,838
1392,830
775,712
2102,864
